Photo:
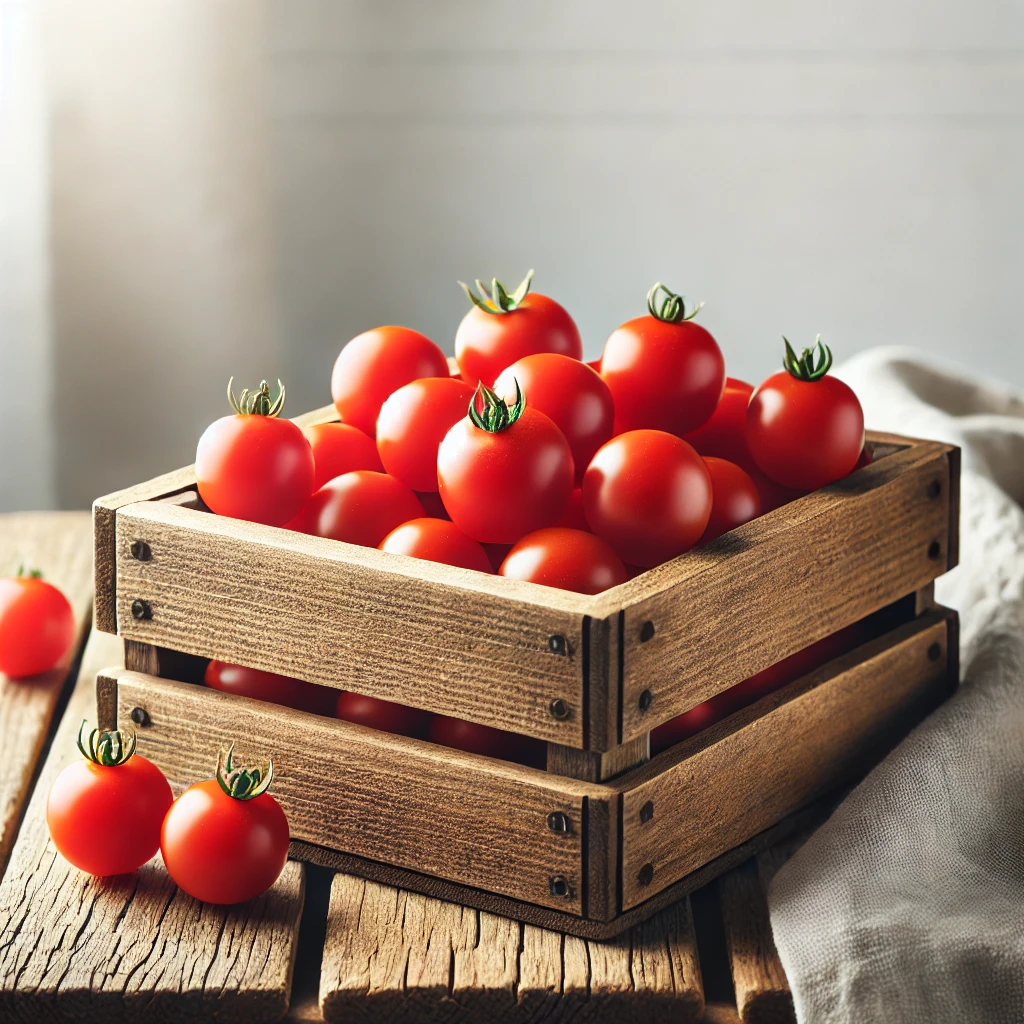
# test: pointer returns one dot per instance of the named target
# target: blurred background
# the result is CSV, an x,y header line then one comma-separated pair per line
x,y
191,189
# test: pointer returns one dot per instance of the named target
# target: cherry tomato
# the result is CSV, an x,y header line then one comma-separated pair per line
x,y
664,371
340,448
496,554
734,498
412,424
725,435
504,471
253,465
805,429
225,840
478,739
501,328
575,518
104,812
648,494
683,726
268,686
382,714
37,626
376,363
569,559
568,391
437,540
361,507
866,457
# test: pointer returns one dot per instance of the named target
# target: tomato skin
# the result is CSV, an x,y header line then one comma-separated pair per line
x,y
375,364
568,559
37,626
105,820
477,739
340,448
432,504
437,540
496,554
575,518
412,424
486,343
222,850
734,498
497,487
570,393
662,376
805,434
361,507
648,494
257,468
382,714
271,687
724,435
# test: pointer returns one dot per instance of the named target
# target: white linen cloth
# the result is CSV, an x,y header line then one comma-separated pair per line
x,y
907,905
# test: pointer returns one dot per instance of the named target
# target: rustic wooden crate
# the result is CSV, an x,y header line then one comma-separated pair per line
x,y
606,835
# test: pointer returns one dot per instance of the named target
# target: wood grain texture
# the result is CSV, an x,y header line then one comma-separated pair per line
x,y
597,767
432,636
393,956
132,948
472,819
58,544
781,582
715,790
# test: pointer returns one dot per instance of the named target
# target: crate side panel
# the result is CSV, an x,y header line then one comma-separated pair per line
x,y
778,755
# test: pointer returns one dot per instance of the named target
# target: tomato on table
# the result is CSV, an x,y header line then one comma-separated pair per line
x,y
37,625
734,498
479,739
361,507
105,811
377,363
501,328
412,424
269,686
340,448
384,715
648,494
253,465
225,840
568,559
805,429
664,371
437,540
503,470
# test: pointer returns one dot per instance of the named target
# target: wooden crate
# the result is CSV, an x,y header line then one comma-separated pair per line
x,y
606,835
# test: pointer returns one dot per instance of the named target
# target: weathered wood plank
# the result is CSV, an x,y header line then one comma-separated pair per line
x,y
58,544
132,948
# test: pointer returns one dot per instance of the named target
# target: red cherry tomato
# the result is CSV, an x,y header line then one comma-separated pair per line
x,y
725,435
340,448
375,364
104,812
253,465
683,726
382,714
37,626
734,498
568,559
413,423
437,540
805,429
225,840
501,328
664,371
478,739
569,392
268,686
575,518
496,554
866,457
648,494
504,472
361,508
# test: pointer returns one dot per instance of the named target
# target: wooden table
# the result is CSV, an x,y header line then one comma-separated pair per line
x,y
320,945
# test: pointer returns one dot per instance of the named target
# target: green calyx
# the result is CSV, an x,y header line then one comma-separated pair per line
x,y
24,573
108,748
671,309
243,783
256,403
498,300
806,367
494,415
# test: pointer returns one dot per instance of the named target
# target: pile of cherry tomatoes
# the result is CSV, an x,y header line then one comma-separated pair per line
x,y
526,460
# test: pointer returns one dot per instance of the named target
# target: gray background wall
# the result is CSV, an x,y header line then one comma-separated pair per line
x,y
239,188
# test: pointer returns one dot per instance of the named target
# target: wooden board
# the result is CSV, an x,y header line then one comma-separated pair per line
x,y
56,543
772,757
132,948
384,797
392,956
